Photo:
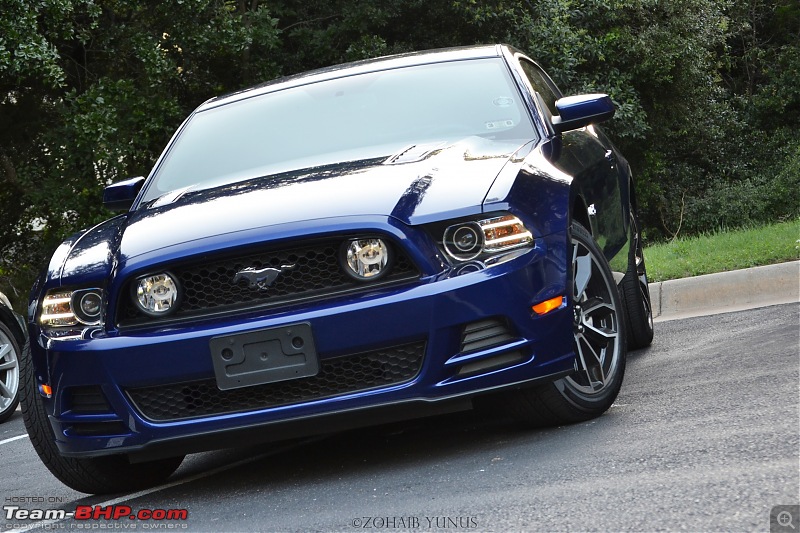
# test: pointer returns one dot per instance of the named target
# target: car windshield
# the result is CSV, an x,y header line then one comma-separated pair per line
x,y
365,116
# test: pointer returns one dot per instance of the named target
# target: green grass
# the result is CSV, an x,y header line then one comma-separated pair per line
x,y
723,251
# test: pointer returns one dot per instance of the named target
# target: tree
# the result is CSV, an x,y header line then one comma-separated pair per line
x,y
90,93
708,92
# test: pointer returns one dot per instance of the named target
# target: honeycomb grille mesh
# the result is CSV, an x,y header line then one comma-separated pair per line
x,y
339,375
208,286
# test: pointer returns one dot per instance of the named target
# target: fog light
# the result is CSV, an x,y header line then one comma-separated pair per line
x,y
156,295
366,259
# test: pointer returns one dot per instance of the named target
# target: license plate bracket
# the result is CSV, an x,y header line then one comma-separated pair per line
x,y
264,356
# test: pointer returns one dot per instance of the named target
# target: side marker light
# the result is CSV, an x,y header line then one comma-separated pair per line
x,y
548,305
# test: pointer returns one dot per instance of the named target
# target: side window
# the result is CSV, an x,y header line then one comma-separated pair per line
x,y
542,84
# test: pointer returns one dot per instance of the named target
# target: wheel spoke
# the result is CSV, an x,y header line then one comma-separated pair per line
x,y
597,308
583,273
8,366
4,350
590,380
595,373
597,358
4,391
601,335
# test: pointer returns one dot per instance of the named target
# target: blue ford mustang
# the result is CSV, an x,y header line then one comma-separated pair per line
x,y
364,243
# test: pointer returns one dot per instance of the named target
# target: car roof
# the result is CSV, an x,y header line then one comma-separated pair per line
x,y
360,67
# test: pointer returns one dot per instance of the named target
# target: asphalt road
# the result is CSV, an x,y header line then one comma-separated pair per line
x,y
705,436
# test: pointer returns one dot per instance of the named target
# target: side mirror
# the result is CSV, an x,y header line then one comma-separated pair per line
x,y
120,196
580,111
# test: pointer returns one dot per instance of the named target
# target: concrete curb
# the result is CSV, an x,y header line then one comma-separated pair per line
x,y
726,291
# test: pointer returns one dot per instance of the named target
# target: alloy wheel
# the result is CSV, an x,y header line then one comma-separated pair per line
x,y
595,323
9,373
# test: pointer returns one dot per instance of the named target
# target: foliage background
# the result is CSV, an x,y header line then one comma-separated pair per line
x,y
708,92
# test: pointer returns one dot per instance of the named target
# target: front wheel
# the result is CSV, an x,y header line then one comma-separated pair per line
x,y
98,475
599,343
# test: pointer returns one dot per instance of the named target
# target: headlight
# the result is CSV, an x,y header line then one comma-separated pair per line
x,y
504,233
64,308
464,241
469,240
156,295
57,310
88,306
366,259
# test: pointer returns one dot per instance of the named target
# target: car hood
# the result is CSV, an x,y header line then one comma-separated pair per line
x,y
416,185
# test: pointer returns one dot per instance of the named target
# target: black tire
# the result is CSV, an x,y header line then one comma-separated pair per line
x,y
599,326
100,475
636,293
9,373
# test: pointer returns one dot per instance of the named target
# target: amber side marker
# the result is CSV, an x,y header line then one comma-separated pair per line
x,y
47,390
548,305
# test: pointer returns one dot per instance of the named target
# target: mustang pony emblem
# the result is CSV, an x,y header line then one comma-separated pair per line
x,y
261,278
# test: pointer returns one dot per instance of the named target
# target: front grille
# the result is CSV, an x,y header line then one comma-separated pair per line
x,y
208,287
338,375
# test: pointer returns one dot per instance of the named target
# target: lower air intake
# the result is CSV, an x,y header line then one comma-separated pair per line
x,y
485,334
338,375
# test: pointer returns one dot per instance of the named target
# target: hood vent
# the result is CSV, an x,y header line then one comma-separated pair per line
x,y
415,153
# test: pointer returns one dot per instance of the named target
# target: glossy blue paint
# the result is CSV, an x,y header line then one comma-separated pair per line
x,y
120,195
456,179
580,111
433,311
403,199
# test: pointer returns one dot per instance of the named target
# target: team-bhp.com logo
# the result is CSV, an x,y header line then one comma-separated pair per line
x,y
96,512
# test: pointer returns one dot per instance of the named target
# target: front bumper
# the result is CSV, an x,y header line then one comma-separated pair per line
x,y
431,315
